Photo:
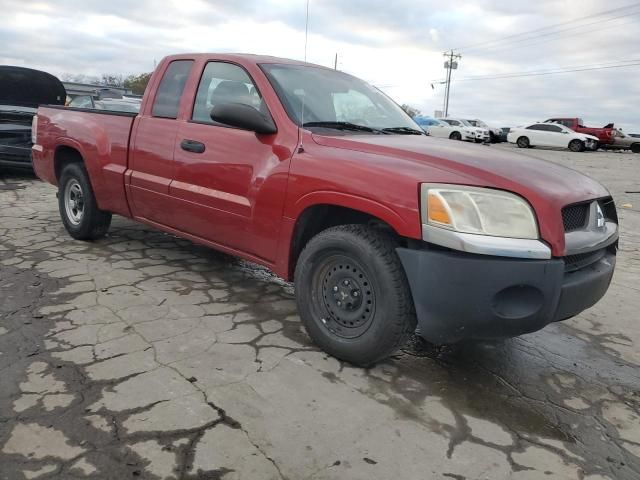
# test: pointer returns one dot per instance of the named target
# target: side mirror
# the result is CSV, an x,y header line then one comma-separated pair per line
x,y
243,116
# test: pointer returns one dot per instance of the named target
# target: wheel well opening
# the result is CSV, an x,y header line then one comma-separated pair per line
x,y
63,156
317,218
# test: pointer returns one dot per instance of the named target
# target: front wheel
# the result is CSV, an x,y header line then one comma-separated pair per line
x,y
635,148
576,146
78,207
352,294
523,142
455,136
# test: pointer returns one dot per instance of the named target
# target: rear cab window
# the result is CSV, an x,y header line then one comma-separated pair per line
x,y
167,101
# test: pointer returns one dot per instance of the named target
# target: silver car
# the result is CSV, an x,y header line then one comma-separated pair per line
x,y
623,141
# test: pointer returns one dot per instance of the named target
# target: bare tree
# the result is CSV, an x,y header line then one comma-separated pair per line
x,y
112,79
79,78
411,111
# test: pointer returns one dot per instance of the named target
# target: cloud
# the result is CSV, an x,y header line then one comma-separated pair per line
x,y
396,45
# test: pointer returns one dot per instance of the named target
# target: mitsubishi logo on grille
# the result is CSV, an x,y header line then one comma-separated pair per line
x,y
599,216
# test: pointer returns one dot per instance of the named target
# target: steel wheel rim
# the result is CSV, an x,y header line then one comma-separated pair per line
x,y
346,296
74,202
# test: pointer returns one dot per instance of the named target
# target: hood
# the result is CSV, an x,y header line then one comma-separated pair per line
x,y
24,87
539,181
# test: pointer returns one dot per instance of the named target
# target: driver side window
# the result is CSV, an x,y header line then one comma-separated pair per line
x,y
223,82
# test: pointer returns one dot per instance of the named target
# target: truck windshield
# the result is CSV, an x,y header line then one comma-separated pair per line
x,y
334,99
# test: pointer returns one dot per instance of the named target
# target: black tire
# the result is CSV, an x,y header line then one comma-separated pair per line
x,y
523,142
576,146
455,136
367,327
86,221
635,147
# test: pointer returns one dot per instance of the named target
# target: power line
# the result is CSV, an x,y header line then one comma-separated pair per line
x,y
549,69
550,72
527,41
550,27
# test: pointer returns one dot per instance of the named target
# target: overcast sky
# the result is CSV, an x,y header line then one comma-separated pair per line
x,y
396,45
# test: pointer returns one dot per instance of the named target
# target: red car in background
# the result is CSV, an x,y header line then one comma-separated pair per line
x,y
605,134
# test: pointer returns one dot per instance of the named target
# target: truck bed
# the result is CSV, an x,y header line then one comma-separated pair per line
x,y
100,135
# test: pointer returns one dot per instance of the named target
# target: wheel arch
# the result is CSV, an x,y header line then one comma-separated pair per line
x,y
327,211
65,153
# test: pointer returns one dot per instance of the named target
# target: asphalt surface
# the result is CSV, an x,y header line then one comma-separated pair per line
x,y
144,356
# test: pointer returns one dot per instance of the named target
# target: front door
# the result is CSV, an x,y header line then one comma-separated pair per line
x,y
229,184
556,136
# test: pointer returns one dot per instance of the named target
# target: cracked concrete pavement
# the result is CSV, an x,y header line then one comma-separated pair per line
x,y
145,356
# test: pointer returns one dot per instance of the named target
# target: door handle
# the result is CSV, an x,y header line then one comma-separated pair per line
x,y
192,146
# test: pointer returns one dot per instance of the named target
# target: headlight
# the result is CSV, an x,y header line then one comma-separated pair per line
x,y
477,210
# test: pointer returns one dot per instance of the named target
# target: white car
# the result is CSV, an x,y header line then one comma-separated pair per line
x,y
495,133
453,130
551,135
481,134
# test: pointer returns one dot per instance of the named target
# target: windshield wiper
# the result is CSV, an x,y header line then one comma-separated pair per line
x,y
344,126
403,130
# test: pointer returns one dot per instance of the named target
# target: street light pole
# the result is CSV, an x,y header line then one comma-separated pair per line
x,y
450,64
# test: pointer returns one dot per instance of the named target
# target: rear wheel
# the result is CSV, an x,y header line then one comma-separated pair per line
x,y
455,136
576,146
352,294
78,207
523,142
635,148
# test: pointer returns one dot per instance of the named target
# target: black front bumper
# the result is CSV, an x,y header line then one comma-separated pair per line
x,y
463,296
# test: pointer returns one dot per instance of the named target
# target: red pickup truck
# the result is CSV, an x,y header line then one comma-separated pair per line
x,y
605,134
323,179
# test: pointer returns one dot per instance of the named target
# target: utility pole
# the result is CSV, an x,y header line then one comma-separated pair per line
x,y
335,62
450,64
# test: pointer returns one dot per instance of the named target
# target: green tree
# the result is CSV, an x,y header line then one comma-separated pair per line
x,y
137,83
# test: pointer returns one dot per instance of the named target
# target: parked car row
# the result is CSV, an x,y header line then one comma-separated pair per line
x,y
559,132
572,134
459,129
551,135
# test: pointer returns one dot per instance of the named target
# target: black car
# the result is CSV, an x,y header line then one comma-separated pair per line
x,y
22,90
